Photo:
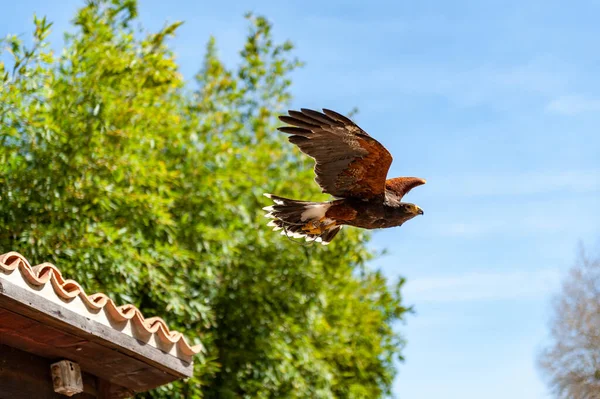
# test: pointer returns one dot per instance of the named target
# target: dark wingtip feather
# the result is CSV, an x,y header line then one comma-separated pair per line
x,y
296,122
318,116
294,130
305,118
298,139
336,116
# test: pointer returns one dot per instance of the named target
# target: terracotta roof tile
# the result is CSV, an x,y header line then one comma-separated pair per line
x,y
69,290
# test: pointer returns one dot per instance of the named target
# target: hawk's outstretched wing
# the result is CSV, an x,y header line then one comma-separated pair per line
x,y
400,186
348,162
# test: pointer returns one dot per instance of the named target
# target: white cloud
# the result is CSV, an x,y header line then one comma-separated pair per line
x,y
483,286
573,105
470,229
568,217
465,84
526,226
536,182
520,205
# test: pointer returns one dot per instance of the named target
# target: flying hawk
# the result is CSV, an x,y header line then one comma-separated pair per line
x,y
352,167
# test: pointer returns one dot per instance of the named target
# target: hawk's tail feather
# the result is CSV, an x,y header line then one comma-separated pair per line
x,y
302,219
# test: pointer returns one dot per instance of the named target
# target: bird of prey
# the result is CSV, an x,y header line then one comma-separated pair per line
x,y
352,167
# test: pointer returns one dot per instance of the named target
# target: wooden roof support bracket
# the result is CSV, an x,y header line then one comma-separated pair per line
x,y
66,377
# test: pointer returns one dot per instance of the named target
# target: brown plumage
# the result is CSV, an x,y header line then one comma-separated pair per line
x,y
351,166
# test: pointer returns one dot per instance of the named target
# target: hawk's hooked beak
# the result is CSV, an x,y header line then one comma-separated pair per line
x,y
420,211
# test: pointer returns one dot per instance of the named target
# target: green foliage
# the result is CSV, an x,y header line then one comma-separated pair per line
x,y
142,186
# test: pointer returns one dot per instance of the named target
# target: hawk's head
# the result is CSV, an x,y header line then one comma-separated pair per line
x,y
411,209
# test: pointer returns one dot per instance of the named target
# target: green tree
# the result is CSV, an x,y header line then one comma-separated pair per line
x,y
149,189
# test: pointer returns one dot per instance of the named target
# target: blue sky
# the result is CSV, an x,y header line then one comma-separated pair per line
x,y
496,104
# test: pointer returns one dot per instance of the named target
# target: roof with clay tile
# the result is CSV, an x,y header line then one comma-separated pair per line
x,y
98,307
